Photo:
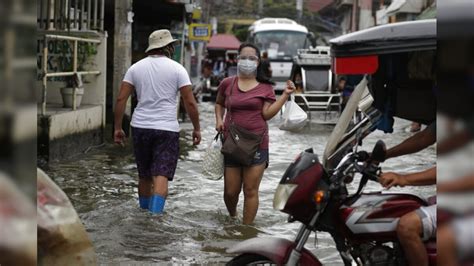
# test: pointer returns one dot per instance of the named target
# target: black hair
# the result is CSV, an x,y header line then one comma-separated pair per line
x,y
261,77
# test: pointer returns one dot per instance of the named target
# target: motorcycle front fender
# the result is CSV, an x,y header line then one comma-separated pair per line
x,y
276,249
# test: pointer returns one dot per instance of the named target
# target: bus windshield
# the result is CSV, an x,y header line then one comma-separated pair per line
x,y
281,44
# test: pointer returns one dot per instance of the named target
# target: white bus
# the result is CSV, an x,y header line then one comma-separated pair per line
x,y
280,38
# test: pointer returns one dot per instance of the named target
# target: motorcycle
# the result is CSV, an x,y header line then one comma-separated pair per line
x,y
363,225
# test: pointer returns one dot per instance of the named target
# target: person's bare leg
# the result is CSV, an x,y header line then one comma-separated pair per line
x,y
232,188
251,177
144,191
409,232
446,246
160,185
144,187
160,192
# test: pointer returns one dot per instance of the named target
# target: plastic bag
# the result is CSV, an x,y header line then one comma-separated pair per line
x,y
294,118
213,163
17,225
62,238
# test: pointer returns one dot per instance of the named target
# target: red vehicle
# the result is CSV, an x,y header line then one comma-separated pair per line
x,y
315,193
363,225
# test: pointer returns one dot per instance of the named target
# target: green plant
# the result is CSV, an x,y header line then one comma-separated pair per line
x,y
85,51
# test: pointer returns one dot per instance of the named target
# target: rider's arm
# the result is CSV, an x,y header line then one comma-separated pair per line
x,y
423,178
415,143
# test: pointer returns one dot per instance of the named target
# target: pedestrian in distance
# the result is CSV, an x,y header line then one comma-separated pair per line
x,y
266,66
156,79
252,103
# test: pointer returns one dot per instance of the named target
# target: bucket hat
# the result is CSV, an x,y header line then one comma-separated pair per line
x,y
158,39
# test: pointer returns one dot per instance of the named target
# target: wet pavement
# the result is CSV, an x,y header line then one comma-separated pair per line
x,y
195,228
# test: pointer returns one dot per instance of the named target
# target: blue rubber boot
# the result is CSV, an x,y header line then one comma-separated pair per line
x,y
144,202
157,204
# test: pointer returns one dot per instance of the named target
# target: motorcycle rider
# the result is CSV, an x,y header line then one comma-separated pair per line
x,y
419,225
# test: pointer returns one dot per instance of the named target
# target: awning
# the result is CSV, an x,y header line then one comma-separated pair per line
x,y
223,42
404,6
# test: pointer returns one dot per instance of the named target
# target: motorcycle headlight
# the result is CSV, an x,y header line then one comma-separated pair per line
x,y
282,194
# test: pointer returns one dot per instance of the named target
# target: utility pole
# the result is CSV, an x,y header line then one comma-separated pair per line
x,y
260,8
299,9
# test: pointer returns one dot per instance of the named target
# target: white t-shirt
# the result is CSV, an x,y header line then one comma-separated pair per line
x,y
157,80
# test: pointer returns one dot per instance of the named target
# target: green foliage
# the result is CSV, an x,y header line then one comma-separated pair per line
x,y
85,52
280,10
241,33
243,9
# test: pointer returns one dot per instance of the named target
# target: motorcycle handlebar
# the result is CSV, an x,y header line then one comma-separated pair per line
x,y
370,169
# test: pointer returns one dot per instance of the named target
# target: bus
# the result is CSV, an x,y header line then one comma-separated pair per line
x,y
280,38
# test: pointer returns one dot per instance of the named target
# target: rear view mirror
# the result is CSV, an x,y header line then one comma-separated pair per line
x,y
379,152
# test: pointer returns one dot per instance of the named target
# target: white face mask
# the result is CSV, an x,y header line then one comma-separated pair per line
x,y
247,67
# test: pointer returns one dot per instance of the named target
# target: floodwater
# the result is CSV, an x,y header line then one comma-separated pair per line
x,y
195,228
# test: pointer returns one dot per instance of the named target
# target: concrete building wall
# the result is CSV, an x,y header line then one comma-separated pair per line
x,y
63,132
94,85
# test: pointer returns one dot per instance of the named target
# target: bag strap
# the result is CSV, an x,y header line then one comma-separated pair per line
x,y
218,136
230,98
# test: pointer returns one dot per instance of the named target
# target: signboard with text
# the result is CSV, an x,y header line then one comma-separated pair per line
x,y
199,32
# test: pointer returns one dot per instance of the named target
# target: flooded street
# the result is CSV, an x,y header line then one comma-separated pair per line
x,y
195,228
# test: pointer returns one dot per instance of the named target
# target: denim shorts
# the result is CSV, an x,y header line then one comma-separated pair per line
x,y
261,156
156,152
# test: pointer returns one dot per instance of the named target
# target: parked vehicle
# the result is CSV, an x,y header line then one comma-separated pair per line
x,y
280,38
397,61
222,51
319,97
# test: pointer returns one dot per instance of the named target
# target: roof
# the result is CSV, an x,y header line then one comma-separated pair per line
x,y
388,38
281,24
223,42
394,31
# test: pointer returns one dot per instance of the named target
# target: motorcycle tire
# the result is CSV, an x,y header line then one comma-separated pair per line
x,y
250,259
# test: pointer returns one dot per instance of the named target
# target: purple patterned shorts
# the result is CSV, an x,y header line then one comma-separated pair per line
x,y
156,152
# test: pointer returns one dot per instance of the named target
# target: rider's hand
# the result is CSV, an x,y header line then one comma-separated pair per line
x,y
219,126
391,179
290,87
196,137
119,137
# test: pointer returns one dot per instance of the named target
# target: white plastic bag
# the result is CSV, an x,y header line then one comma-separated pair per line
x,y
294,118
213,162
62,238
